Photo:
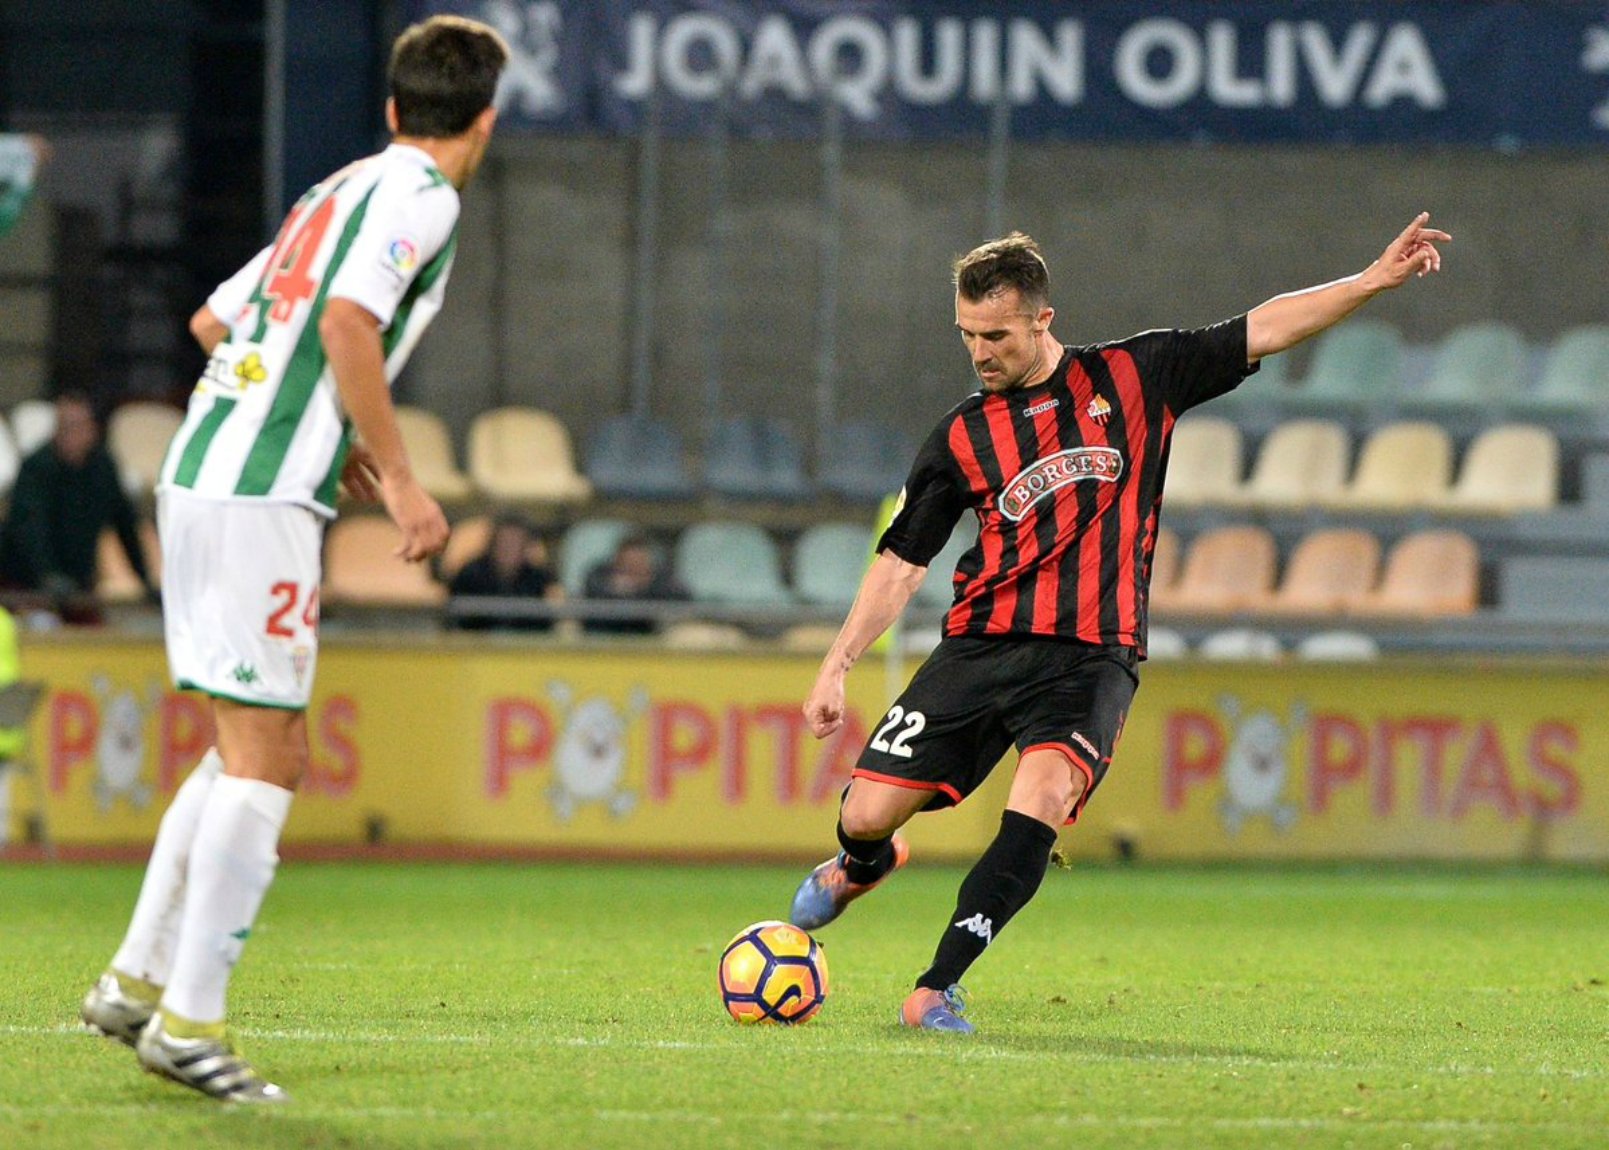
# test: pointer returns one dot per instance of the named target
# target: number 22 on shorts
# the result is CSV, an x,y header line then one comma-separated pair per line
x,y
287,595
899,745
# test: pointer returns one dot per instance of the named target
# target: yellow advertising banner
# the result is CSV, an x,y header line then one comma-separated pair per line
x,y
634,750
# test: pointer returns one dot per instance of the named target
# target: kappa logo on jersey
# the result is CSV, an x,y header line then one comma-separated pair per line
x,y
980,926
1047,405
1054,472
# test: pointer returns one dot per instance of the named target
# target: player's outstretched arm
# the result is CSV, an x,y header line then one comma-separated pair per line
x,y
351,338
888,585
1287,320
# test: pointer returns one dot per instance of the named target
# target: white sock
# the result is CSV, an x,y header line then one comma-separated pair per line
x,y
147,950
231,866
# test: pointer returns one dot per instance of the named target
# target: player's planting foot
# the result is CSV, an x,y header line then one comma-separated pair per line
x,y
826,891
116,1010
210,1065
929,1009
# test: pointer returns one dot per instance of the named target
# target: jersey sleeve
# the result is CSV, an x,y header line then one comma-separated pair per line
x,y
230,298
1193,365
929,504
408,222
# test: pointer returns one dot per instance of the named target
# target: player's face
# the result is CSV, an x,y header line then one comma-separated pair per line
x,y
1001,334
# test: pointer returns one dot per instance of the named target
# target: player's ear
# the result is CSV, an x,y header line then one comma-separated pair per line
x,y
1042,320
391,115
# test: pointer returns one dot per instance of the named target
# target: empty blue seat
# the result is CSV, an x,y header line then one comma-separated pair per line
x,y
829,561
750,458
1478,366
1575,376
587,543
1356,365
866,461
730,562
638,458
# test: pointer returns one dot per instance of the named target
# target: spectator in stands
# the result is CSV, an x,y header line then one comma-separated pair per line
x,y
513,566
66,493
632,573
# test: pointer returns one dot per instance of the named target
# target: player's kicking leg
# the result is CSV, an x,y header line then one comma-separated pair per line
x,y
1047,788
232,862
122,1001
868,817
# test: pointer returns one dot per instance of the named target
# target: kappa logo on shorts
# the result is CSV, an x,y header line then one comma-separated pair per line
x,y
1085,743
1054,472
245,674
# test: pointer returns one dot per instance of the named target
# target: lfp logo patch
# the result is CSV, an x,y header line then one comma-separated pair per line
x,y
403,254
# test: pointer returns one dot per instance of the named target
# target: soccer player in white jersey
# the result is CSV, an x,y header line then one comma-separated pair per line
x,y
304,341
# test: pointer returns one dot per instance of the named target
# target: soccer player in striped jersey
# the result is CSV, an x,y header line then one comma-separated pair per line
x,y
1061,457
295,400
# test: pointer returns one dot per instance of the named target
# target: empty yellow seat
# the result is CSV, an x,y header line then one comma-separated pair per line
x,y
1303,462
1508,468
430,451
1402,466
523,454
360,567
1203,463
1329,571
1427,574
1228,569
138,435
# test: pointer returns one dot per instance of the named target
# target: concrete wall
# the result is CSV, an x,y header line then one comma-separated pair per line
x,y
540,307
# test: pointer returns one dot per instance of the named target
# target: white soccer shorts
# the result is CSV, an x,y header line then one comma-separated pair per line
x,y
240,597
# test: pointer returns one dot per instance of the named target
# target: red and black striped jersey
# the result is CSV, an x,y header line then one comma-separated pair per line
x,y
1065,478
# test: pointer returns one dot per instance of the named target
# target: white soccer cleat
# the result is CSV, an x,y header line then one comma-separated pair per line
x,y
210,1065
110,1010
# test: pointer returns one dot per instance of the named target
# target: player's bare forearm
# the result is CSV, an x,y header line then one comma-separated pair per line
x,y
209,331
1288,319
351,338
884,591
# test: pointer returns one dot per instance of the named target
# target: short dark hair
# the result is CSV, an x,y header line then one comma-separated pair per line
x,y
443,74
1013,261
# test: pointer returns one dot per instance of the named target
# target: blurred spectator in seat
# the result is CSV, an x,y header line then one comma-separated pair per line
x,y
633,573
513,566
66,493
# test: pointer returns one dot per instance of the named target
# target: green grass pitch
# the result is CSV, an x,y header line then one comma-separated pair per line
x,y
574,1006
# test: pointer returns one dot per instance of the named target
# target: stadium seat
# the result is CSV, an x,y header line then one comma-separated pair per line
x,y
1477,366
635,457
1575,376
430,451
1225,570
865,461
938,588
814,638
1329,571
1302,463
1338,647
468,541
1164,643
1427,574
754,459
33,422
1241,645
137,436
524,454
587,543
1165,560
10,459
1204,463
829,561
360,567
1509,468
1356,365
115,580
727,561
1402,466
696,635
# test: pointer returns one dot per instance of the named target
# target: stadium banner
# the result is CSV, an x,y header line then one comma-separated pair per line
x,y
1494,73
706,755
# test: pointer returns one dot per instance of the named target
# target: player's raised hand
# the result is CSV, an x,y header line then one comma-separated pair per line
x,y
824,709
1413,253
417,516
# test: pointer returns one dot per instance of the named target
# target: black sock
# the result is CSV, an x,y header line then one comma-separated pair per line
x,y
1000,885
866,860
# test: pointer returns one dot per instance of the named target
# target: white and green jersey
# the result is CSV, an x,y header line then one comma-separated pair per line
x,y
265,420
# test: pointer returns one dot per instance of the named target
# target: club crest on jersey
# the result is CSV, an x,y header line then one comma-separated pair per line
x,y
1098,409
1054,472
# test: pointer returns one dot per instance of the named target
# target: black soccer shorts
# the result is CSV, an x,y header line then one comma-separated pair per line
x,y
974,697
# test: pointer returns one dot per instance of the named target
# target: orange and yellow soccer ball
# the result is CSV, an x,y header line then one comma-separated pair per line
x,y
773,972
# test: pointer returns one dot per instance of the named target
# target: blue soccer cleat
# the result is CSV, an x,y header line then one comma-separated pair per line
x,y
928,1009
826,891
